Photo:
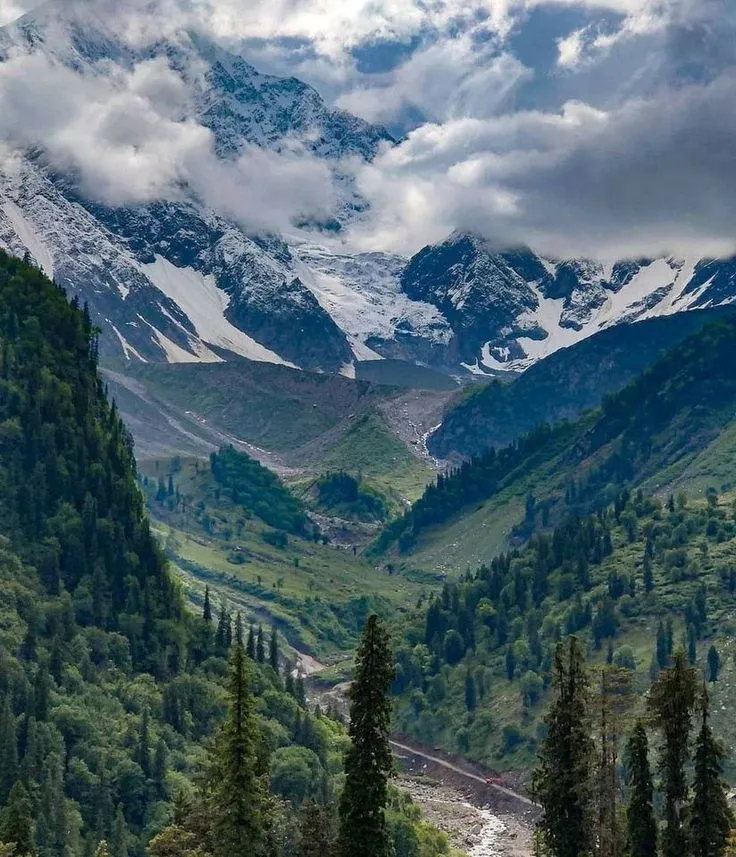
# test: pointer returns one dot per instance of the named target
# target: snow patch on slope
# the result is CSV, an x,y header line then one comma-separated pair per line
x,y
128,349
29,238
204,304
655,290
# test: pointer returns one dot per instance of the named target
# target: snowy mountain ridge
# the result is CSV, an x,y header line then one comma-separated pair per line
x,y
181,280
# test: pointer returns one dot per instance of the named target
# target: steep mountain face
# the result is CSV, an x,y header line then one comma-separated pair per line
x,y
173,281
509,309
563,385
181,281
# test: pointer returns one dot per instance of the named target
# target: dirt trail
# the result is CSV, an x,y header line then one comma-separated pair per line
x,y
463,772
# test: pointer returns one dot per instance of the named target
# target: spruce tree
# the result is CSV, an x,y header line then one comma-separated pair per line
x,y
260,646
671,703
562,781
16,823
238,797
207,609
223,620
640,821
710,817
250,648
368,761
714,664
273,650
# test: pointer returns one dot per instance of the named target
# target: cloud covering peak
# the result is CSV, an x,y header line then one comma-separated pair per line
x,y
587,127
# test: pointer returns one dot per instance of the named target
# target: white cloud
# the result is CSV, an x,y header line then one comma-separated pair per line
x,y
570,48
651,176
652,171
126,140
447,79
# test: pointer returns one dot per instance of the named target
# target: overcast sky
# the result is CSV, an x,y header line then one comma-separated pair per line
x,y
597,127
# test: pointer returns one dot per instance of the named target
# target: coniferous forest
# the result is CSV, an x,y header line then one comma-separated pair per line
x,y
595,777
129,725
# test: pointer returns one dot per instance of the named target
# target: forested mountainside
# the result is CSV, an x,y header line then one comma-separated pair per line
x,y
110,690
634,582
561,386
673,425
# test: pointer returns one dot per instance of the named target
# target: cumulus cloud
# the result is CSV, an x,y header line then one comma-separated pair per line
x,y
126,138
443,80
651,176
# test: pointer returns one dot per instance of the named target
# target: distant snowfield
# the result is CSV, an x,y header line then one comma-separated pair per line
x,y
656,290
204,304
362,293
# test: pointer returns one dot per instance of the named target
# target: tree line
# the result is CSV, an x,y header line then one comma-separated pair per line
x,y
589,741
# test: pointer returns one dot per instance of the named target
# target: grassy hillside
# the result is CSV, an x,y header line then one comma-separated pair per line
x,y
474,664
563,385
295,422
318,594
672,426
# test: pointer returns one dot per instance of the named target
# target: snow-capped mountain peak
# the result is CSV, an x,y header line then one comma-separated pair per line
x,y
139,185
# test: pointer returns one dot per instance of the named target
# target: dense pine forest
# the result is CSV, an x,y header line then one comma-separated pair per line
x,y
591,740
127,724
634,581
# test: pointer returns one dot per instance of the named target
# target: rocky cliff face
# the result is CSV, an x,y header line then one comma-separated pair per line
x,y
509,309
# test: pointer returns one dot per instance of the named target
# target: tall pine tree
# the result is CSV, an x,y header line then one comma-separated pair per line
x,y
671,703
368,761
710,817
238,793
562,781
260,646
640,821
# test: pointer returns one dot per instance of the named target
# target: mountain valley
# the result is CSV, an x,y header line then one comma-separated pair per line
x,y
332,528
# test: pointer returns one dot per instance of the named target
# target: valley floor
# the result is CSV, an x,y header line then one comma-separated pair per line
x,y
477,822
